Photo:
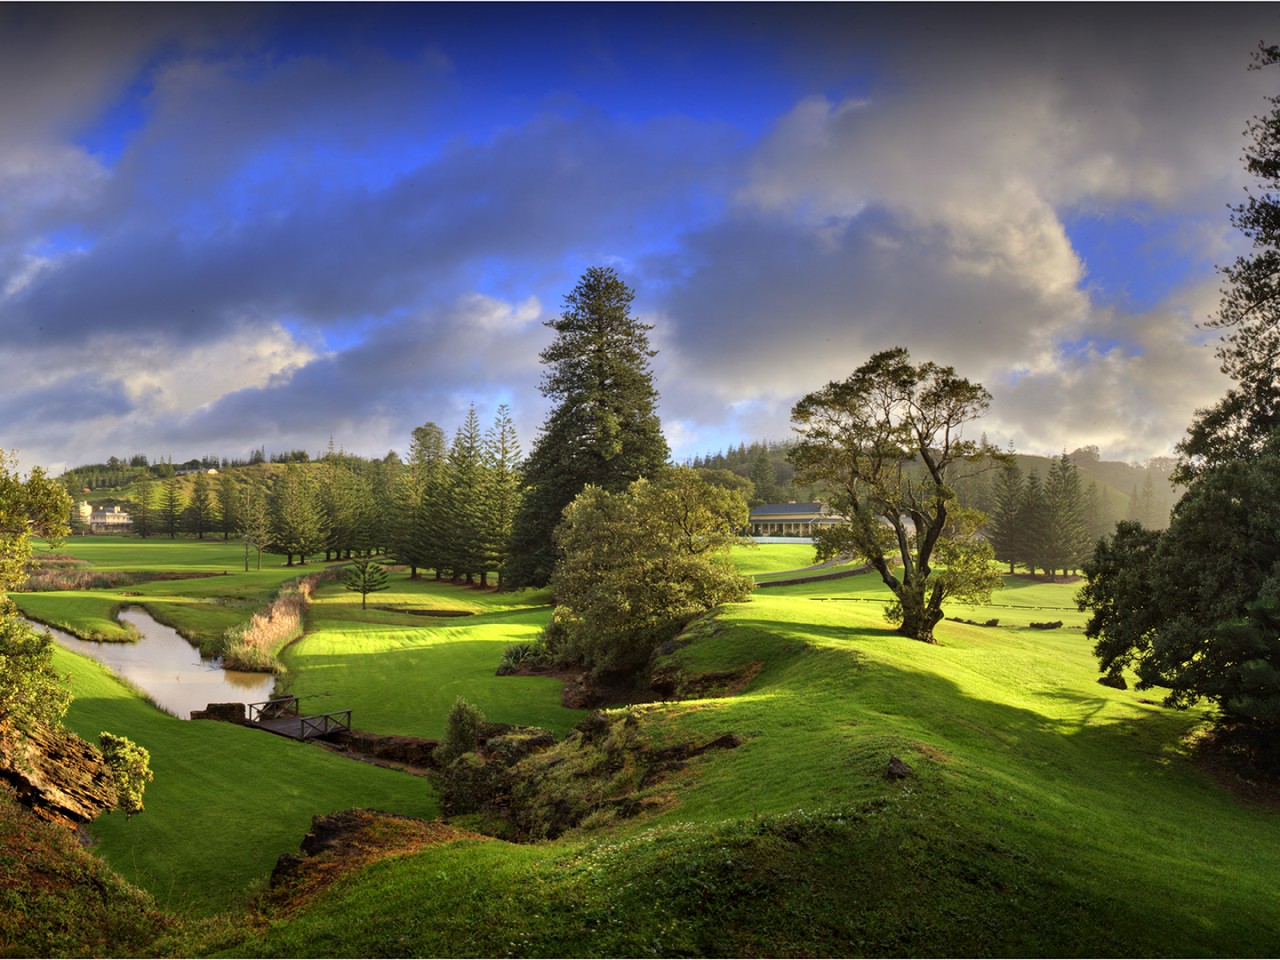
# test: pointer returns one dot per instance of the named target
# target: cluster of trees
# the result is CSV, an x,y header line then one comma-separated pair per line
x,y
448,509
1048,525
1195,609
765,471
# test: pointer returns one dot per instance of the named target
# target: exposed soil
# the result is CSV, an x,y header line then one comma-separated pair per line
x,y
343,843
1222,761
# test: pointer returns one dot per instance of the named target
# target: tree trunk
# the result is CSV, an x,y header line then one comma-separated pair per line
x,y
918,616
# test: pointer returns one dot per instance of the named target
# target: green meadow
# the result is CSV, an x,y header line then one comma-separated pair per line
x,y
1047,814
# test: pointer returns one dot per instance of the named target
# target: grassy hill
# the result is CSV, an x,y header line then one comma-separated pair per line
x,y
1047,815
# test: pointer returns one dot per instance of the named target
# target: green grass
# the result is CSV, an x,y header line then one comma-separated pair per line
x,y
226,801
1049,815
400,672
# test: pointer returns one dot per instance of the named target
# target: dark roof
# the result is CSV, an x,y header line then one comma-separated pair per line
x,y
786,509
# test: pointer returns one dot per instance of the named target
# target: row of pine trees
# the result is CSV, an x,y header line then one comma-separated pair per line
x,y
448,509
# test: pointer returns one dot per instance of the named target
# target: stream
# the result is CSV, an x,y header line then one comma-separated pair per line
x,y
168,668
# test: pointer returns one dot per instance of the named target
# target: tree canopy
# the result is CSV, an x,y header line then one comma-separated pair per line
x,y
641,563
1193,609
604,428
886,444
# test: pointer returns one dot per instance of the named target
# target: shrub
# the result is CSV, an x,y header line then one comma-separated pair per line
x,y
522,654
462,733
131,767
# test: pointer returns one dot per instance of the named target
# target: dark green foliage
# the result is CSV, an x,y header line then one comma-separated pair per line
x,y
462,732
171,505
1004,530
502,493
228,509
30,689
1160,600
417,533
639,565
887,444
297,521
1067,542
364,577
200,514
604,428
1033,525
1238,425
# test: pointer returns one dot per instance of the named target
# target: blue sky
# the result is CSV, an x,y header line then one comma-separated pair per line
x,y
242,226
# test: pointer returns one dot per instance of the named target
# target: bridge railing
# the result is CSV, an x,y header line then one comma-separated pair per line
x,y
324,724
273,709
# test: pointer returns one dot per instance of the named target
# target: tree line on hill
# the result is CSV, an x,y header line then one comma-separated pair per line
x,y
447,509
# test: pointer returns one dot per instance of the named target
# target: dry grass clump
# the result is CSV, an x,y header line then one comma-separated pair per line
x,y
253,646
60,571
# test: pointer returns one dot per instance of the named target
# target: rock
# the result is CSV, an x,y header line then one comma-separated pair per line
x,y
898,770
1115,681
58,776
226,712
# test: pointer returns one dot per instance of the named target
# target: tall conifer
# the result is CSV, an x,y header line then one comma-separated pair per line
x,y
604,428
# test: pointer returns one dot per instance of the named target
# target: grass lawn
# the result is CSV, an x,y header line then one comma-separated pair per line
x,y
226,801
399,672
1048,815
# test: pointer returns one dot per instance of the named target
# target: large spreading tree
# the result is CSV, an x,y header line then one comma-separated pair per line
x,y
1193,609
887,445
604,428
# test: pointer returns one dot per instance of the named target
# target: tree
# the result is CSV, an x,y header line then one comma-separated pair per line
x,y
465,502
417,535
1033,525
170,507
1067,542
604,428
228,506
255,521
887,443
502,499
1192,609
297,522
143,512
199,515
364,577
640,564
130,769
1239,424
1004,530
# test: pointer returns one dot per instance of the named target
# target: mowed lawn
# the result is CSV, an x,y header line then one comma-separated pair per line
x,y
400,665
226,800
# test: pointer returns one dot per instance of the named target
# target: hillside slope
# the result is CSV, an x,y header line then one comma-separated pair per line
x,y
1047,815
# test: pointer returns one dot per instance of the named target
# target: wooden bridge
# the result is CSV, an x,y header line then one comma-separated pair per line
x,y
283,717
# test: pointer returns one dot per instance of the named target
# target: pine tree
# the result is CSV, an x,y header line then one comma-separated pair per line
x,y
144,510
199,516
604,429
466,496
1033,525
416,534
1003,520
170,507
502,469
255,521
297,520
228,506
1066,543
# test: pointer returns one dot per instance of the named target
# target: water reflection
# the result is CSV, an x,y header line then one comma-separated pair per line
x,y
168,668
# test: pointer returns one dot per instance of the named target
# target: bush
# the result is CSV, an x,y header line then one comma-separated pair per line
x,y
131,767
462,733
523,654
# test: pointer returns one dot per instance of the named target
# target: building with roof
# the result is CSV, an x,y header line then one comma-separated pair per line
x,y
791,519
104,519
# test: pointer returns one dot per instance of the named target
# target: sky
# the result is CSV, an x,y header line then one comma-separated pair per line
x,y
233,227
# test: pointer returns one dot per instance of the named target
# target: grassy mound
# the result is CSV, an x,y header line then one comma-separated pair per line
x,y
1047,815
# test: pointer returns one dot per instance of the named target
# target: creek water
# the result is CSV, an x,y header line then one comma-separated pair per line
x,y
165,666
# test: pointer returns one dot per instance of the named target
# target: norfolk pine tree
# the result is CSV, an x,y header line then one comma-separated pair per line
x,y
604,428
